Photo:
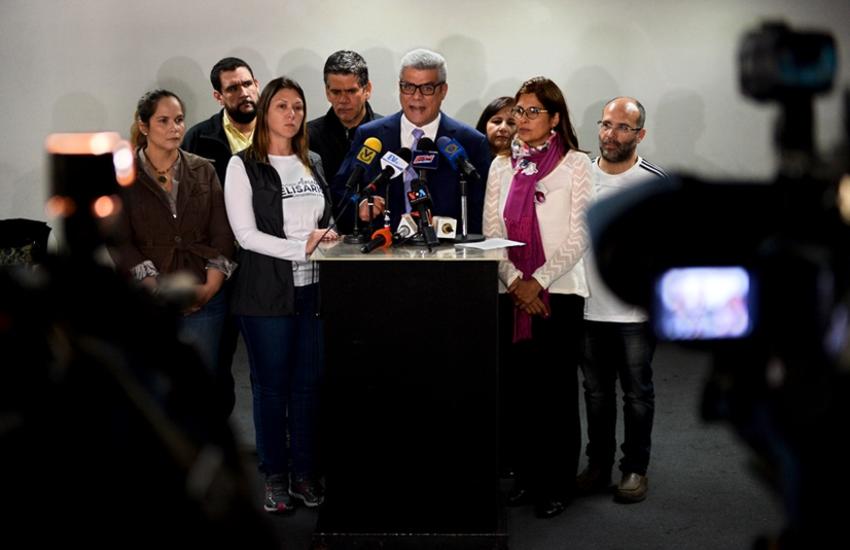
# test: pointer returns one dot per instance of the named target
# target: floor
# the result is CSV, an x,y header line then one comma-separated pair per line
x,y
703,491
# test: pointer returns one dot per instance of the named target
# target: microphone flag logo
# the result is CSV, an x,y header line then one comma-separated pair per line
x,y
366,155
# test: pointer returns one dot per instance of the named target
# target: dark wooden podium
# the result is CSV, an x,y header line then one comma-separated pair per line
x,y
410,400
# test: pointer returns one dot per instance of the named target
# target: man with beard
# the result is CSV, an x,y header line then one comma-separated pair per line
x,y
218,138
348,89
618,339
230,130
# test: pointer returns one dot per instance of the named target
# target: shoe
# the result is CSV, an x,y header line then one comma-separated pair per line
x,y
549,508
307,491
593,479
519,496
632,488
277,499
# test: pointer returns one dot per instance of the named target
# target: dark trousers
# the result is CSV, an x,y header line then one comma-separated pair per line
x,y
624,351
540,418
286,355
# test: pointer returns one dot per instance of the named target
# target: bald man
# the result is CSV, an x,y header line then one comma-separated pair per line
x,y
619,342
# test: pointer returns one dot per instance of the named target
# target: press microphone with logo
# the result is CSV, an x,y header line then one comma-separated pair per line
x,y
365,157
392,165
459,160
425,157
406,229
382,238
457,157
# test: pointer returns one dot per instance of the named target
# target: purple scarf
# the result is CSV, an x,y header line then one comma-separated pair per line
x,y
530,164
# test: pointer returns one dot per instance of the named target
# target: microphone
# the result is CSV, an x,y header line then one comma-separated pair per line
x,y
406,228
425,156
459,160
382,238
368,153
457,157
445,227
392,165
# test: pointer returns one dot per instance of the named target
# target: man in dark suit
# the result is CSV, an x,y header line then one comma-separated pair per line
x,y
422,88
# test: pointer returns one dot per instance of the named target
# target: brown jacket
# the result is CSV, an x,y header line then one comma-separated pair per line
x,y
200,232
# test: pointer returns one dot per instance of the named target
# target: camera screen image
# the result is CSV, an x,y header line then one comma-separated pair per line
x,y
704,303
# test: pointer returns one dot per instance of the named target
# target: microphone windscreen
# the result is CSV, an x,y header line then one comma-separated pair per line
x,y
370,150
426,144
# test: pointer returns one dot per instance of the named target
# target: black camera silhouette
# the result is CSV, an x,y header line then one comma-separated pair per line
x,y
757,274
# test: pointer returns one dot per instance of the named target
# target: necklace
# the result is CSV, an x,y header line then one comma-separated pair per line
x,y
162,175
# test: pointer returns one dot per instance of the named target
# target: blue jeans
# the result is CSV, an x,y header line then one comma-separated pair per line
x,y
623,350
286,357
202,329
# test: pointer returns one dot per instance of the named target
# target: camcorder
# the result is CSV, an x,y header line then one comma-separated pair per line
x,y
101,406
757,275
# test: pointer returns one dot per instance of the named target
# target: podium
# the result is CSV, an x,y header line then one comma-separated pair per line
x,y
409,429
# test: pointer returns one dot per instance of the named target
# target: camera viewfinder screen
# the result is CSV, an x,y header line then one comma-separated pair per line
x,y
704,303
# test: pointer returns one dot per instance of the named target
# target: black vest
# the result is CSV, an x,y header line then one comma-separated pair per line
x,y
263,284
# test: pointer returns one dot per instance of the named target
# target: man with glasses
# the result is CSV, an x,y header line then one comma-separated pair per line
x,y
221,136
422,89
348,89
618,339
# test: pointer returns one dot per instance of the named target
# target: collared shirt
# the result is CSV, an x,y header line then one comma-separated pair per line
x,y
407,127
235,138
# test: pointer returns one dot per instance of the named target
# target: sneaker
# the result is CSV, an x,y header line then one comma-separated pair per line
x,y
593,479
632,488
307,491
278,500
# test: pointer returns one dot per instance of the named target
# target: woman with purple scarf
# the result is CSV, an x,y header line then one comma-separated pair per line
x,y
538,196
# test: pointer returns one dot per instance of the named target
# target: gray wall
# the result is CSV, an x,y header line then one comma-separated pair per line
x,y
80,65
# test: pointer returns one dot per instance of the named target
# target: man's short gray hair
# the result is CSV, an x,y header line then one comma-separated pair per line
x,y
424,60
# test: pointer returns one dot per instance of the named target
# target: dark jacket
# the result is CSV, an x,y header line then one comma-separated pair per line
x,y
332,140
443,182
263,284
207,139
200,232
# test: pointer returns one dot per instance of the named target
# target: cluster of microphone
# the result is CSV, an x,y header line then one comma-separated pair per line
x,y
424,158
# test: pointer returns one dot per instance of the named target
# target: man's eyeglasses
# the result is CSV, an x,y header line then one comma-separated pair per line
x,y
426,89
617,129
531,113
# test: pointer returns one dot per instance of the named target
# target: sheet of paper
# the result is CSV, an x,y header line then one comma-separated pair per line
x,y
490,244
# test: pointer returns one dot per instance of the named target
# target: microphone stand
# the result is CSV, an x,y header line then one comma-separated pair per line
x,y
357,236
464,236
